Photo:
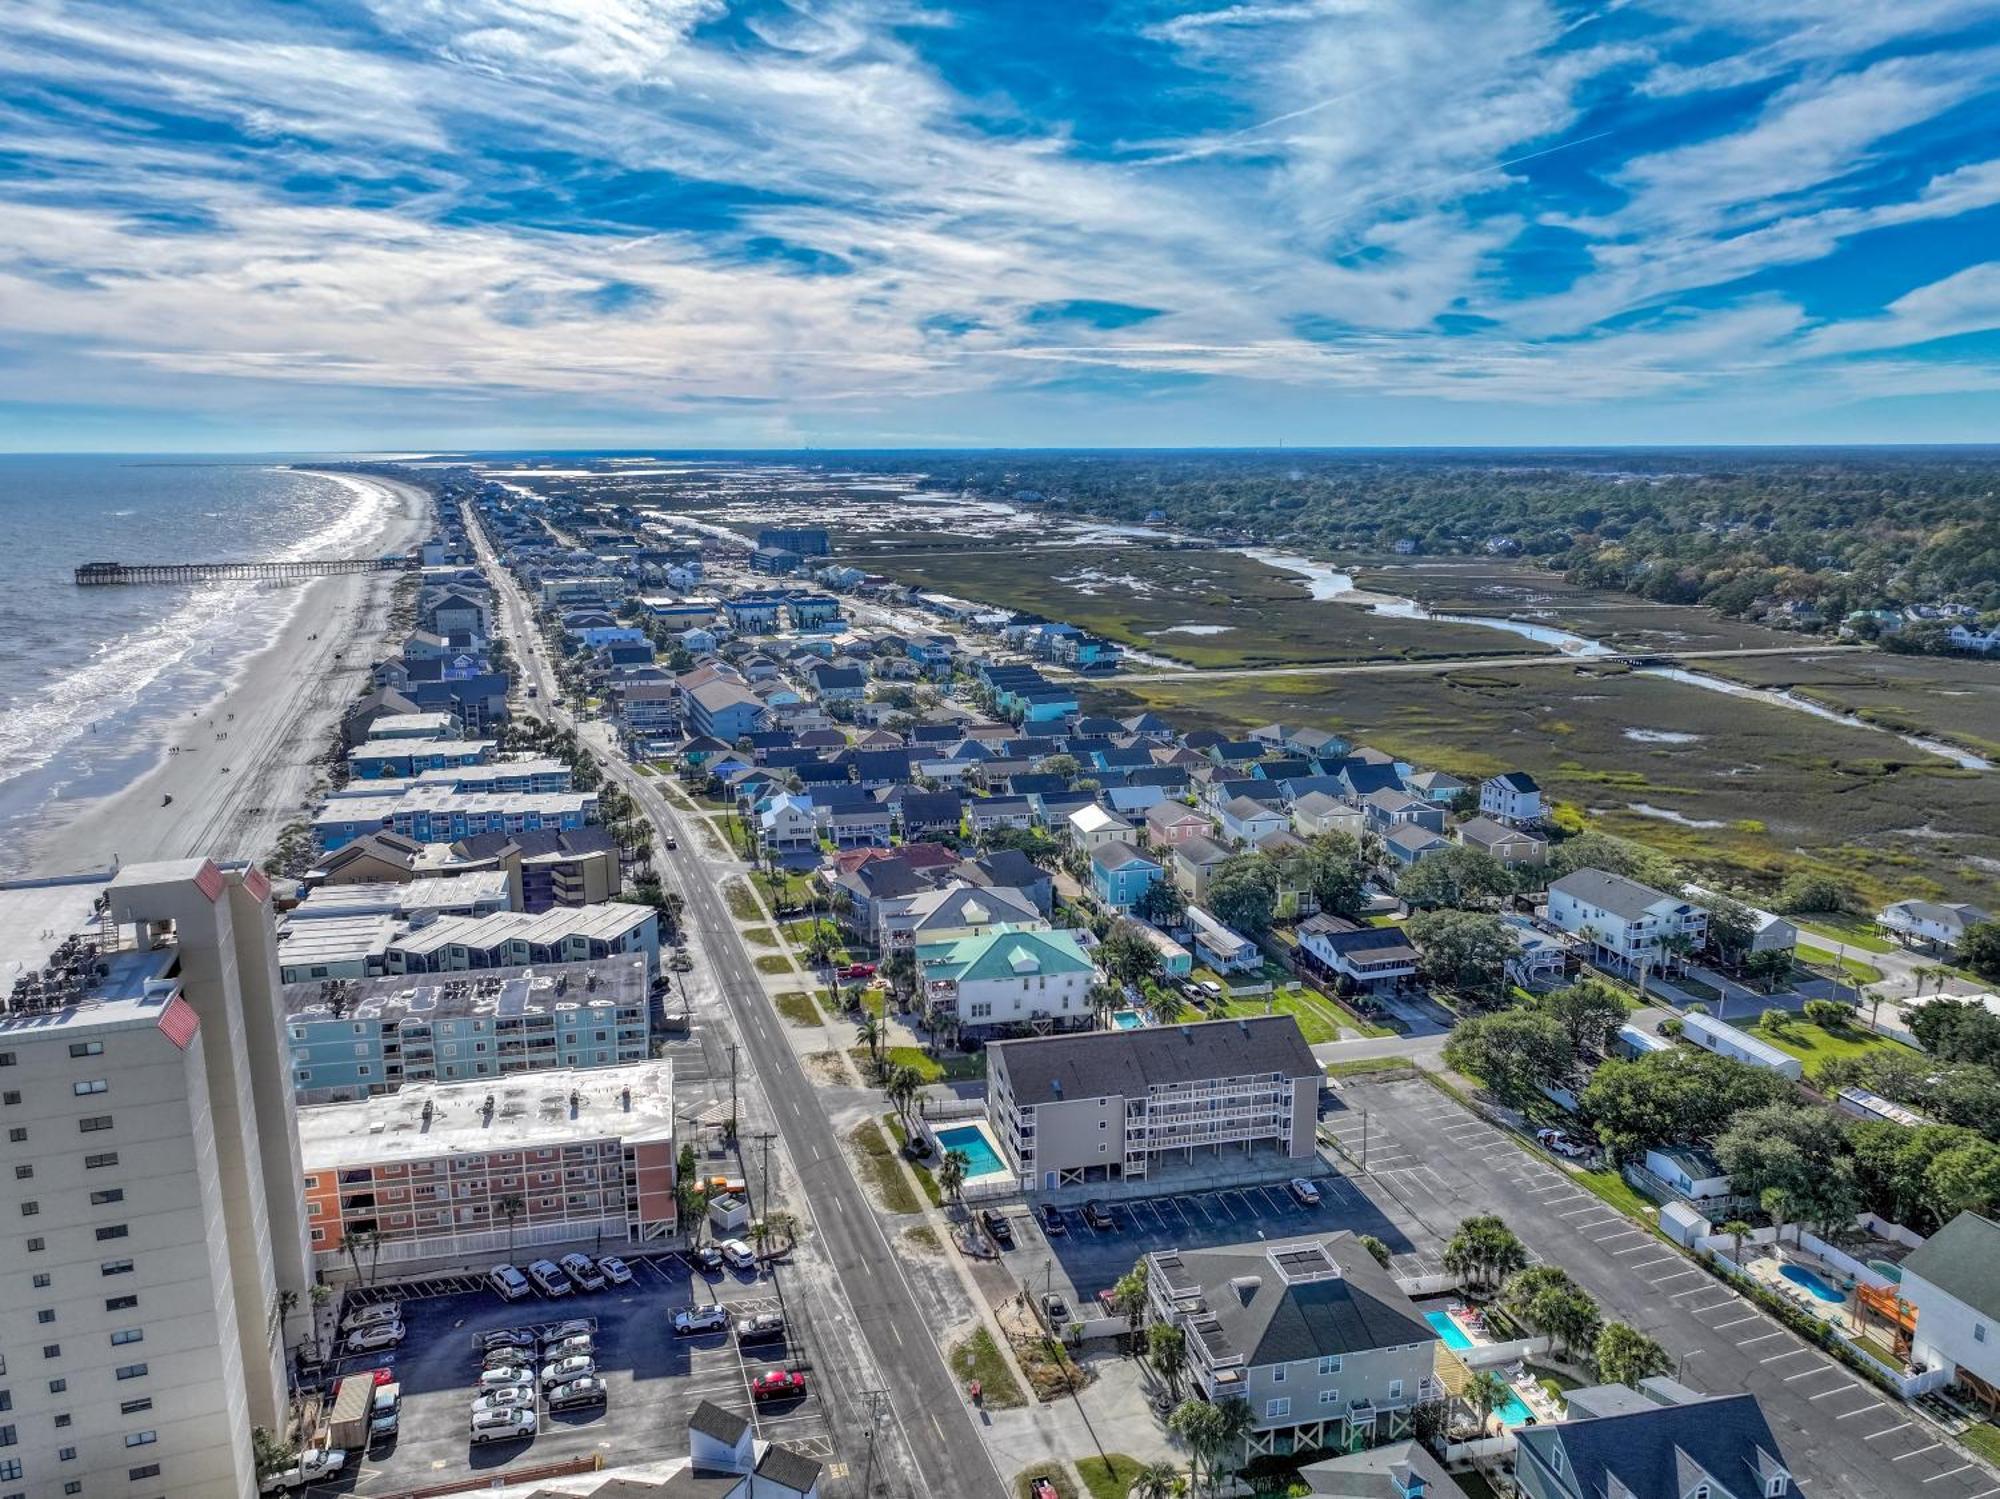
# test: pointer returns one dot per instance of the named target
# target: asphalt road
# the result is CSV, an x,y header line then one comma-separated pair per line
x,y
1843,1438
929,1420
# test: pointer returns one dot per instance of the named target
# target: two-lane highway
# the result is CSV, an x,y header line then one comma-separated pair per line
x,y
932,1421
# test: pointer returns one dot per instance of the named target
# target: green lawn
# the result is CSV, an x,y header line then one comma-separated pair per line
x,y
1983,1439
978,1357
929,1068
926,1178
1315,1016
742,904
1616,1191
1854,968
1817,1047
1363,1066
879,1165
1109,1476
772,962
798,1008
1855,931
759,936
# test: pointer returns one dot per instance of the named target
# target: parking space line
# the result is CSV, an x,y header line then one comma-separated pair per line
x,y
1809,1373
1947,1472
1788,1353
1917,1452
1737,1322
1762,1338
1885,1431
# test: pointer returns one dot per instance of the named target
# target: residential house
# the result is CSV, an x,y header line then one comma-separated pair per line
x,y
1512,844
1538,957
725,710
1006,977
1193,863
1122,1105
1661,1441
1010,869
1093,826
956,910
1132,800
786,824
1769,932
1726,1040
1692,1174
370,859
1120,875
1372,958
1624,922
1400,1470
812,611
838,684
1953,1281
1317,812
1314,1336
986,813
920,813
859,827
1224,950
1934,924
1513,796
1246,822
1168,823
1389,809
1410,843
1436,786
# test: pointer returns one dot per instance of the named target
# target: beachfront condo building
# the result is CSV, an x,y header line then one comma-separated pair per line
x,y
355,1038
1118,1104
155,1266
462,1174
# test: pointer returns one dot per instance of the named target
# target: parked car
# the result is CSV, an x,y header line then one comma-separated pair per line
x,y
578,1394
1052,1219
738,1255
508,1358
579,1268
708,1259
1561,1144
1099,1217
379,1335
502,1426
315,1465
386,1421
1055,1309
615,1270
505,1379
690,1320
508,1337
549,1278
778,1384
1042,1488
563,1370
569,1347
858,971
512,1398
368,1316
917,1147
509,1282
997,1227
761,1328
1211,988
1303,1192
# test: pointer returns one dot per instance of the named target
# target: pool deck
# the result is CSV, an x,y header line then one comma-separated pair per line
x,y
1768,1269
999,1170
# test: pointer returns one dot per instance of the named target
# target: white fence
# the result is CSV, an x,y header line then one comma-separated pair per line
x,y
1895,1233
1426,1285
935,1109
1482,1450
1487,1355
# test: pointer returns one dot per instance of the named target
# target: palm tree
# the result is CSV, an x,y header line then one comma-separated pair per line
x,y
1777,1203
951,1174
1169,1004
1156,1481
510,1207
1486,1393
1738,1231
1199,1425
355,1243
869,1033
1237,1423
1104,998
1166,1347
903,1085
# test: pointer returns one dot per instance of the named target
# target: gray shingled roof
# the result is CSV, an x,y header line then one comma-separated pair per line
x,y
1610,892
1093,1064
1355,1311
1962,1259
711,1420
788,1469
1658,1454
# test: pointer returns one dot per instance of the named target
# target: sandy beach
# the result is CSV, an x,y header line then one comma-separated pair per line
x,y
278,715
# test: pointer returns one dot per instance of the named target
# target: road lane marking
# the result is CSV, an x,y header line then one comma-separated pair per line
x,y
1917,1452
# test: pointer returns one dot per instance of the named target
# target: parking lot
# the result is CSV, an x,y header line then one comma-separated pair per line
x,y
654,1379
1081,1261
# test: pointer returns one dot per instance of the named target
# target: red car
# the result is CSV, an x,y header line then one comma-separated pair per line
x,y
385,1376
1043,1489
858,971
778,1384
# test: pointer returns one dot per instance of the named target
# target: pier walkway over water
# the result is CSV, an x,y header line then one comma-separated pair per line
x,y
95,574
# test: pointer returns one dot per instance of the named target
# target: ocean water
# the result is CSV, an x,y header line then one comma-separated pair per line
x,y
91,677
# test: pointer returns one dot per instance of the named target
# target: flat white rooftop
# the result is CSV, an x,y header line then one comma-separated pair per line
x,y
530,1110
520,991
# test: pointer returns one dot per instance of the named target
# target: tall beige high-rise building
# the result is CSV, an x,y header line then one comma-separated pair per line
x,y
151,1219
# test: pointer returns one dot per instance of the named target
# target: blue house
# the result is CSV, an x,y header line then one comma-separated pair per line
x,y
1120,875
754,611
811,610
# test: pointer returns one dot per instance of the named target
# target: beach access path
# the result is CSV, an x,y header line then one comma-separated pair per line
x,y
280,714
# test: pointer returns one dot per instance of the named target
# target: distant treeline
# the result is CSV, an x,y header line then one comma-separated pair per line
x,y
1795,536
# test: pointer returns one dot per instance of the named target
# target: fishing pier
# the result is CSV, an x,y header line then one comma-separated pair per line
x,y
105,574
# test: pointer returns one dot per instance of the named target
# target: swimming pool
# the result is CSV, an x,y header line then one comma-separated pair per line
x,y
981,1159
1514,1412
1888,1269
1798,1275
1447,1329
1127,1020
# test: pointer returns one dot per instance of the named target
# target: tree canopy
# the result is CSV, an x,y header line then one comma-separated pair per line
x,y
1673,1097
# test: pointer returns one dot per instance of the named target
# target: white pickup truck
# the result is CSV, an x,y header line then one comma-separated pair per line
x,y
313,1466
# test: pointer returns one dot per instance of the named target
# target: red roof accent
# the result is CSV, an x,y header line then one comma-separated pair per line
x,y
209,881
258,884
178,1021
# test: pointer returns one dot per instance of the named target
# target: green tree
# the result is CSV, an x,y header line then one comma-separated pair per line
x,y
1613,856
1243,894
1199,1425
1484,1250
690,1195
1956,1030
1979,949
1964,1179
951,1174
1464,950
1486,1392
1126,955
1515,1052
1163,903
900,970
1377,1249
903,1086
1732,927
1805,893
271,1453
1676,1097
1624,1355
1156,1481
1166,1350
1459,876
1590,1013
1802,1151
510,1206
1738,1231
1130,1296
1331,868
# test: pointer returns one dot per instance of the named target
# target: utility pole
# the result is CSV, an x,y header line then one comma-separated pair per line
x,y
762,1204
1364,1139
875,1399
732,1090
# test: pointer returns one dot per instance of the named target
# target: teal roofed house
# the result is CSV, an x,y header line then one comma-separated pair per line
x,y
1008,977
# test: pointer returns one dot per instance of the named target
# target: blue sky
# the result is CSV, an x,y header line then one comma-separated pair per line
x,y
534,223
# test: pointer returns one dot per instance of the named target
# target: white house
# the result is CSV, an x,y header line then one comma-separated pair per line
x,y
1692,1173
1950,1281
1726,1040
1223,950
1622,920
1972,638
1008,976
1092,827
1513,797
787,824
1932,922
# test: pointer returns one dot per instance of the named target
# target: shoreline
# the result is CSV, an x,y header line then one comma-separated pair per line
x,y
279,711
